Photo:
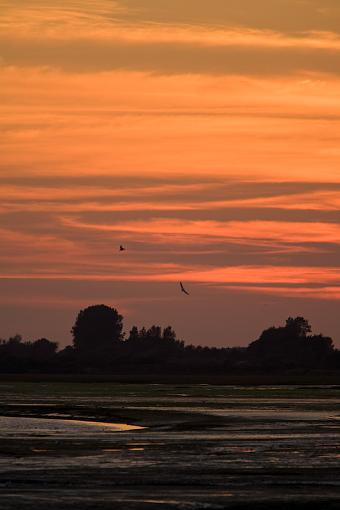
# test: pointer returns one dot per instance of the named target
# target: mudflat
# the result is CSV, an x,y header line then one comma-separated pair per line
x,y
141,446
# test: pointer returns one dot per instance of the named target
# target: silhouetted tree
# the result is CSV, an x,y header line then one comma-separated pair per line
x,y
169,335
19,356
97,326
297,327
66,360
99,347
96,331
134,335
43,349
154,346
291,346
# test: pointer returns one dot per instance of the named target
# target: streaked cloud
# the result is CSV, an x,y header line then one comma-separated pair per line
x,y
55,123
285,15
318,293
117,35
179,53
289,232
89,224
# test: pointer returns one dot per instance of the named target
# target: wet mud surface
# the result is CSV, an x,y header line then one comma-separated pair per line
x,y
112,446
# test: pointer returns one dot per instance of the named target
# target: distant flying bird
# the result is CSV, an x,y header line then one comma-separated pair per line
x,y
183,289
121,248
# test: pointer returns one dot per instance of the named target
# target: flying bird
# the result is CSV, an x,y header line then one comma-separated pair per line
x,y
183,289
121,248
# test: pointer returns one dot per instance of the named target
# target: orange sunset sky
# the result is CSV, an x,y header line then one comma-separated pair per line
x,y
203,135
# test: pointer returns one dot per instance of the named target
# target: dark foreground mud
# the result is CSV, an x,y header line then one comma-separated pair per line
x,y
200,448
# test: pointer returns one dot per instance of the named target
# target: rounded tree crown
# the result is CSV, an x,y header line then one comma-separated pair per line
x,y
97,326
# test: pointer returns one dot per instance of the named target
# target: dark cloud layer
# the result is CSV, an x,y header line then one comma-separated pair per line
x,y
282,15
167,58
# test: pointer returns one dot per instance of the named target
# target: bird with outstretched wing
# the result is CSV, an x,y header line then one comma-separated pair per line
x,y
183,289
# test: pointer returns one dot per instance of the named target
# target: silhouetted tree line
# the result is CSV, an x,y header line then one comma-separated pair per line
x,y
100,346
